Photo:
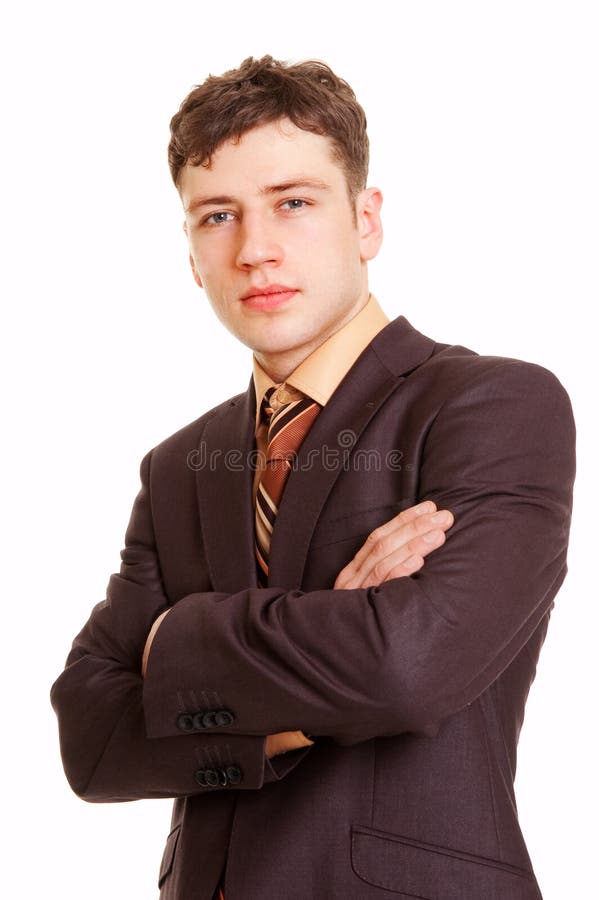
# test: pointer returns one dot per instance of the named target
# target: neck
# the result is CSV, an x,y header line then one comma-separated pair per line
x,y
279,366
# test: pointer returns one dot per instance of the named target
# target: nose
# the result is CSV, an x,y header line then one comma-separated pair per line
x,y
258,245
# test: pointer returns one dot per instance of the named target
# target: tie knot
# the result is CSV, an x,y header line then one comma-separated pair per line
x,y
267,409
278,398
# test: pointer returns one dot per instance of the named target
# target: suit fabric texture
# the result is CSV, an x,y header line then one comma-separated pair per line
x,y
415,689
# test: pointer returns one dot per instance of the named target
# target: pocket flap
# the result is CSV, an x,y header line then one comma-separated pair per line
x,y
358,523
434,873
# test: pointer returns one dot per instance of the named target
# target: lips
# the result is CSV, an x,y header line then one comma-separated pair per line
x,y
268,296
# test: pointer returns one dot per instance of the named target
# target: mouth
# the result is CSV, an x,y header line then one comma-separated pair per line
x,y
269,296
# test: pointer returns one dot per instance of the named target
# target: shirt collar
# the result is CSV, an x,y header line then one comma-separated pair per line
x,y
323,370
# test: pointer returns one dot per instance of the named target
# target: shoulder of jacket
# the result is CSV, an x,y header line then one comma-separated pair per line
x,y
463,366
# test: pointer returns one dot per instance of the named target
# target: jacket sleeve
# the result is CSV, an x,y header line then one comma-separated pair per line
x,y
404,655
106,752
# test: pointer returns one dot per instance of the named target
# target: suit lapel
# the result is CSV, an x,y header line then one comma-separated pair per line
x,y
224,483
375,375
224,486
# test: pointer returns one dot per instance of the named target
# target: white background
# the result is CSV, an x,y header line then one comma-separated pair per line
x,y
483,125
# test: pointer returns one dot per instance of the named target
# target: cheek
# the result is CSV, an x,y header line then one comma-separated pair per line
x,y
329,246
210,257
342,238
219,283
339,255
210,272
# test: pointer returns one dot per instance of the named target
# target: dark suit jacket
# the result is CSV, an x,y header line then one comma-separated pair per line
x,y
415,689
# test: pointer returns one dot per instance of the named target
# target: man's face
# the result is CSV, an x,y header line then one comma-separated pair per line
x,y
273,211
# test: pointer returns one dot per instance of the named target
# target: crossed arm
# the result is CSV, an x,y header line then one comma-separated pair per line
x,y
499,455
394,550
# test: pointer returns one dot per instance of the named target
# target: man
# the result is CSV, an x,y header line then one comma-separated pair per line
x,y
335,586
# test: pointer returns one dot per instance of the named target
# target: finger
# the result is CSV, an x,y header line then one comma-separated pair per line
x,y
410,516
408,566
390,538
393,550
283,741
405,517
398,564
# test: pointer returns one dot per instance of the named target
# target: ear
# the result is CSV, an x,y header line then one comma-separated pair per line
x,y
194,271
370,227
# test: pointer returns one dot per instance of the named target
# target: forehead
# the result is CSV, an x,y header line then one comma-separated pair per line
x,y
275,153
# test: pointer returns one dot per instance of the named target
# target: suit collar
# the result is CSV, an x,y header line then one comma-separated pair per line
x,y
323,370
400,347
225,483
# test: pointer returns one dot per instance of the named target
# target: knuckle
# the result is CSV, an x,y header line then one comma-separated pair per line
x,y
423,525
412,530
383,545
413,546
378,543
420,509
372,537
379,573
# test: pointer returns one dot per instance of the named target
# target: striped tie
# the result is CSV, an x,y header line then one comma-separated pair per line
x,y
287,428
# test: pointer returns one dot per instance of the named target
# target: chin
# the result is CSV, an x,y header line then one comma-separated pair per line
x,y
272,339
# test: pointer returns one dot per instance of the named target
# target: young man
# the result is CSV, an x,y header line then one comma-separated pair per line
x,y
336,715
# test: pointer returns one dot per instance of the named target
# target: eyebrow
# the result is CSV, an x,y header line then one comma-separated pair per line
x,y
269,189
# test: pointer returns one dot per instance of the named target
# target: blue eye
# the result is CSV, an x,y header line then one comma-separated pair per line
x,y
295,203
217,218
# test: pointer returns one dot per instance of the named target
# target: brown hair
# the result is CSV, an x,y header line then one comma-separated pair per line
x,y
261,91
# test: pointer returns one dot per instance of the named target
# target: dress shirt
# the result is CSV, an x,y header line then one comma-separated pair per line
x,y
317,377
320,373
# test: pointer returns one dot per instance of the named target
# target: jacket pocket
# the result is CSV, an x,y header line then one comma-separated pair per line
x,y
169,855
414,869
358,523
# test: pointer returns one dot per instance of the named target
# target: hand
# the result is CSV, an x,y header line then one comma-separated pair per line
x,y
397,548
284,741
